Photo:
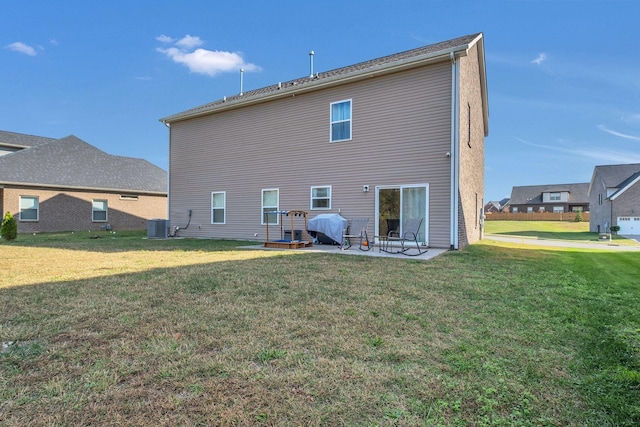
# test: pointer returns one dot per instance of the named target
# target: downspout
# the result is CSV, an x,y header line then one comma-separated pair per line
x,y
168,173
454,232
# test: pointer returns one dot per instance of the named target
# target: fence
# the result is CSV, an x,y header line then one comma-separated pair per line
x,y
535,216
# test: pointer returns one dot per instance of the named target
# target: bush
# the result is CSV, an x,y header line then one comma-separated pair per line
x,y
578,217
9,228
614,229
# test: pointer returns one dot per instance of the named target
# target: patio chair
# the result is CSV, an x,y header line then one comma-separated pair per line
x,y
357,230
409,236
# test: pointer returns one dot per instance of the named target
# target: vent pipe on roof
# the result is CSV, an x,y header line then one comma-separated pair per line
x,y
311,64
241,79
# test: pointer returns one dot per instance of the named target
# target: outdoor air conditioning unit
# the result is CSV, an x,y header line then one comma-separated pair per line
x,y
157,228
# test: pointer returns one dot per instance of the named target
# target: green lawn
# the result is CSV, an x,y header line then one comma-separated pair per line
x,y
559,230
124,330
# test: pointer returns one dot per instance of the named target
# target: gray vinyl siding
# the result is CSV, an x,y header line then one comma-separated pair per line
x,y
400,135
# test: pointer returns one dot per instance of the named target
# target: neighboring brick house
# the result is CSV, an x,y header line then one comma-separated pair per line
x,y
550,198
496,206
614,194
68,185
389,139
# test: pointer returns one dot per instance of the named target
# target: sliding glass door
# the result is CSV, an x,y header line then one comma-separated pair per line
x,y
396,204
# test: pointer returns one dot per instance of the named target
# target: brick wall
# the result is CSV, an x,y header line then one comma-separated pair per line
x,y
72,210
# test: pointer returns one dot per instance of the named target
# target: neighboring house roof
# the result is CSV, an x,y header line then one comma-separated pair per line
x,y
624,186
615,176
492,205
21,140
504,202
531,194
404,60
72,163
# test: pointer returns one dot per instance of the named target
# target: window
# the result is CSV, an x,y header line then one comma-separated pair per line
x,y
29,208
99,210
554,196
558,209
541,209
600,198
529,209
514,209
321,197
270,200
341,121
218,207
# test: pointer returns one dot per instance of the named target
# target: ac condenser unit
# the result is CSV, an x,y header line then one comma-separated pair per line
x,y
157,228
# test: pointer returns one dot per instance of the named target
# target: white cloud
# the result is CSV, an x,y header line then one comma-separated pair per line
x,y
53,42
189,42
601,155
203,61
22,48
540,59
164,39
615,133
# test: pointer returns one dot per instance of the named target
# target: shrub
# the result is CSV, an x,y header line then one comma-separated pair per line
x,y
614,229
578,217
9,228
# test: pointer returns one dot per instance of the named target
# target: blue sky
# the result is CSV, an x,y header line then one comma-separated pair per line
x,y
563,76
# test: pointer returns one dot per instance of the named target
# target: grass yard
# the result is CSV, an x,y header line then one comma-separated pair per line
x,y
557,230
124,330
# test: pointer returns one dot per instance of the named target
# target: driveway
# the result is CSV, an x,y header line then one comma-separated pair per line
x,y
635,237
602,245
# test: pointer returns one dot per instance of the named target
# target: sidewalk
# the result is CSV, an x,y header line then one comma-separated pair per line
x,y
603,245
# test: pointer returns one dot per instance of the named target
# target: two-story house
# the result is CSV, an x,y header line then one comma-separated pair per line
x,y
614,194
389,139
556,198
66,184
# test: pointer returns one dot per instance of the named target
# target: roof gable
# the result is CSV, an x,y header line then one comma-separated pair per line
x,y
624,186
71,162
614,175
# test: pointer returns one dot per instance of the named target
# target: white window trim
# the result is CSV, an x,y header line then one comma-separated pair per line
x,y
331,122
106,211
224,207
37,198
320,198
262,206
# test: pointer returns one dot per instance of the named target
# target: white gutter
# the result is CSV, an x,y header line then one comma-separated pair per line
x,y
455,161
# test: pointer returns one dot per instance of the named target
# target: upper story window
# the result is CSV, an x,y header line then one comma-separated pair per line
x,y
341,121
29,208
321,197
555,196
270,201
99,211
218,207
